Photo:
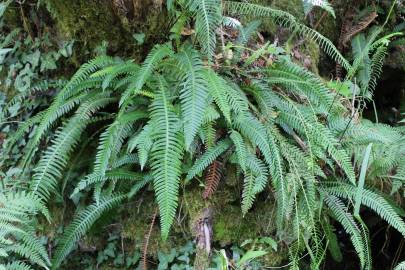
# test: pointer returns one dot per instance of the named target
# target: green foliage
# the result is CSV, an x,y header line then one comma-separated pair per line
x,y
165,121
80,225
18,243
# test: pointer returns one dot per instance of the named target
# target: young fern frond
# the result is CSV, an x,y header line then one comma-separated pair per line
x,y
81,223
166,156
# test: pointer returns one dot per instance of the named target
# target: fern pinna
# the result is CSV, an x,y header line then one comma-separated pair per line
x,y
156,116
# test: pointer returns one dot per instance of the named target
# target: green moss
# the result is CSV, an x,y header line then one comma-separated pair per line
x,y
294,7
136,225
202,260
89,22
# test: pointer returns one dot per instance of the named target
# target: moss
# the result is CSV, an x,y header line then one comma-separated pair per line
x,y
293,7
202,260
311,52
136,225
89,22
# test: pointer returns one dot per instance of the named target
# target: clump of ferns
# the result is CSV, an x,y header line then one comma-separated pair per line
x,y
174,102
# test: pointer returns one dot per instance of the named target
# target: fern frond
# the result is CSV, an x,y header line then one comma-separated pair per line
x,y
256,178
369,199
285,19
166,156
17,232
193,93
148,66
81,223
116,174
212,178
341,214
240,148
208,158
257,134
110,142
143,142
208,18
17,266
218,92
55,158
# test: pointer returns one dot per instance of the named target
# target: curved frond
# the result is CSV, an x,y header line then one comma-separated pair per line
x,y
81,223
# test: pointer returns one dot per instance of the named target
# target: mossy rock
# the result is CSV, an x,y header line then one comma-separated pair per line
x,y
294,7
90,22
136,225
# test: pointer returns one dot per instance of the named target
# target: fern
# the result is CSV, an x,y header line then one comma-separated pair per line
x,y
213,176
370,199
286,19
17,235
341,214
207,20
149,65
193,93
166,157
208,158
217,89
143,142
80,225
255,180
54,160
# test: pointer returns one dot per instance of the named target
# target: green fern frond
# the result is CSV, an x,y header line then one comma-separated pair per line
x,y
143,142
207,158
55,158
17,232
208,18
112,139
285,19
217,91
341,214
193,93
166,156
116,174
255,181
151,62
83,73
370,199
258,135
377,61
240,148
81,223
17,266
